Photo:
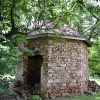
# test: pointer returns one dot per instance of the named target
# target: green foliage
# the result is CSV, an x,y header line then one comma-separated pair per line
x,y
76,13
36,97
17,16
4,83
94,58
7,60
96,96
42,93
18,39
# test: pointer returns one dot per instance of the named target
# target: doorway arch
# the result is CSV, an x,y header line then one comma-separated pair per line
x,y
34,71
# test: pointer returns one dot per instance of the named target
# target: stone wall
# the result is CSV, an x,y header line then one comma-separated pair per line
x,y
65,65
41,45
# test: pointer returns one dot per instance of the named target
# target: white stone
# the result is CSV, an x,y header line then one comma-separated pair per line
x,y
50,81
73,81
49,64
69,60
50,70
52,64
50,51
63,65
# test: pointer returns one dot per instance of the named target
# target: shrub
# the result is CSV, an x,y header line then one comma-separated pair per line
x,y
36,97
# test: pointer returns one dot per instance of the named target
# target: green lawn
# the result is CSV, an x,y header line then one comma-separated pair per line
x,y
93,97
90,97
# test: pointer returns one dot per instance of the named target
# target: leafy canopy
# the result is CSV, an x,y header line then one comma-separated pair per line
x,y
20,17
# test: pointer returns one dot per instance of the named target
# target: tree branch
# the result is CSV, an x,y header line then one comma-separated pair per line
x,y
92,30
14,29
94,15
0,10
12,15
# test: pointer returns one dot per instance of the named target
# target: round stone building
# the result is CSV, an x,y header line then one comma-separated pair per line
x,y
59,64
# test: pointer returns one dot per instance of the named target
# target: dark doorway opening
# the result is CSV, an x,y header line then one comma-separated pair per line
x,y
34,71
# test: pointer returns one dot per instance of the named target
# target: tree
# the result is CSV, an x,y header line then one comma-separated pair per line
x,y
94,58
16,17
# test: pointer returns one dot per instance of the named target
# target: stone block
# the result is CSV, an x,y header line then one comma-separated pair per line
x,y
49,90
63,65
50,71
62,68
64,84
73,81
50,51
57,81
49,85
72,84
50,75
50,81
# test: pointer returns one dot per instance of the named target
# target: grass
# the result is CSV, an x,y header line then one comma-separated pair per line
x,y
96,96
93,97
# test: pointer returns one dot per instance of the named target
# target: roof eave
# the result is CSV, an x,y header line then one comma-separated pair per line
x,y
44,35
79,38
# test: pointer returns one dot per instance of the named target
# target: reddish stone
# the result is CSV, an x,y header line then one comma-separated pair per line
x,y
65,65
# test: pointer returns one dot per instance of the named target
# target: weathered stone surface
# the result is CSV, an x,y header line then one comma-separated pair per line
x,y
50,81
72,67
65,65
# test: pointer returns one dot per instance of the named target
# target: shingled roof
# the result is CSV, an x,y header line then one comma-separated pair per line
x,y
65,32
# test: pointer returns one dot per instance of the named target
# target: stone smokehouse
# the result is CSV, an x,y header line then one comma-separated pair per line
x,y
59,64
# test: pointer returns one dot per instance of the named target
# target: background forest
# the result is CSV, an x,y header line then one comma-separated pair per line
x,y
20,17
